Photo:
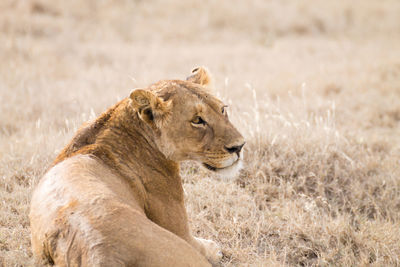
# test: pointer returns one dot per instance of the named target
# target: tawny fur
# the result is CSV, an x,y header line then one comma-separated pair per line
x,y
114,195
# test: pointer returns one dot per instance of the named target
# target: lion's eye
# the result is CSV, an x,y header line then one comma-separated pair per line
x,y
223,110
198,121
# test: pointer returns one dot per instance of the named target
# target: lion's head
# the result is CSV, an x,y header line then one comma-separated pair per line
x,y
191,124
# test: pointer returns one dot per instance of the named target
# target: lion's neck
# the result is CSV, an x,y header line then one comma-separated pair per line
x,y
132,143
124,143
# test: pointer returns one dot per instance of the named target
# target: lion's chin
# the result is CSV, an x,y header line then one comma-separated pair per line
x,y
227,173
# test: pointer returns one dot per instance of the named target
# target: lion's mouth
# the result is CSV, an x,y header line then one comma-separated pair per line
x,y
215,169
226,172
211,168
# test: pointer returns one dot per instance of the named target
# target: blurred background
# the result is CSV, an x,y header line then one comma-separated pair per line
x,y
105,47
313,85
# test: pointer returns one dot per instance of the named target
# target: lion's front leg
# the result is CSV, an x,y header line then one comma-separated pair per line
x,y
210,249
174,219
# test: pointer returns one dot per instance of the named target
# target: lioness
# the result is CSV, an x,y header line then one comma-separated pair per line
x,y
114,195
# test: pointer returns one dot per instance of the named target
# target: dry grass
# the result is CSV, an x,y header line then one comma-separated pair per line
x,y
314,87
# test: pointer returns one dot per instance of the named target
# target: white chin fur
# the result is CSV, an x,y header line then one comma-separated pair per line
x,y
231,172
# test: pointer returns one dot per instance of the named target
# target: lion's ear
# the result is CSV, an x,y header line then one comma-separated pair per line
x,y
200,75
150,108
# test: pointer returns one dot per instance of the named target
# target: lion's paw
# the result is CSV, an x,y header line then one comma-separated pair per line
x,y
212,250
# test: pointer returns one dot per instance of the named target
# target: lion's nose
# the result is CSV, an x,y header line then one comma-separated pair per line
x,y
234,149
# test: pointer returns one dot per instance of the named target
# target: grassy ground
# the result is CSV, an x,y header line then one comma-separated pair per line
x,y
313,86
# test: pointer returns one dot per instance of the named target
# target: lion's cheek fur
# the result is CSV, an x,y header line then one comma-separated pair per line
x,y
168,149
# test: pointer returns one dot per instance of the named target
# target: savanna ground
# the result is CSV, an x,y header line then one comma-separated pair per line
x,y
314,86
